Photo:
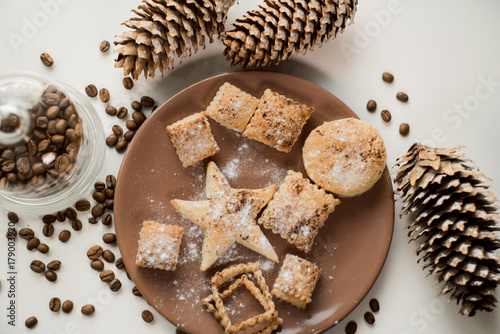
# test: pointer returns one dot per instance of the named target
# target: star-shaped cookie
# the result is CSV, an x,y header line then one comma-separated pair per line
x,y
228,217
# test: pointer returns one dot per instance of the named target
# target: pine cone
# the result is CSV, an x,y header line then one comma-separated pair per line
x,y
168,28
285,28
455,220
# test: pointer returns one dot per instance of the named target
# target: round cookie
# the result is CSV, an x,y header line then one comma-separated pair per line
x,y
346,157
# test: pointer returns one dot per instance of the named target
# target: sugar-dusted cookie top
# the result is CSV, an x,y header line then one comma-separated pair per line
x,y
232,107
298,210
278,121
296,281
193,139
159,245
346,157
228,217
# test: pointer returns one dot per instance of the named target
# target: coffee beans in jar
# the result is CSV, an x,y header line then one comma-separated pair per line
x,y
48,153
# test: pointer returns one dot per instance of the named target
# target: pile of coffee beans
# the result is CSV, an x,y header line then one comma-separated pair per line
x,y
385,114
138,117
49,154
103,194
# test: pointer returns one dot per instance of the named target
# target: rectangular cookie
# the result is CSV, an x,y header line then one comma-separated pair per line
x,y
278,121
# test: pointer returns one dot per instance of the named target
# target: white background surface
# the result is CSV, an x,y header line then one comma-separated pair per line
x,y
441,53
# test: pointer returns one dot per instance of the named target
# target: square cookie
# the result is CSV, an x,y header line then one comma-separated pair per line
x,y
296,281
159,246
193,139
298,210
278,121
232,107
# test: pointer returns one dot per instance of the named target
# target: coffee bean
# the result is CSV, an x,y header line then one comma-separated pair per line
x,y
122,113
138,117
108,256
61,126
55,304
94,252
107,276
371,105
31,322
104,47
49,219
110,181
374,305
46,59
115,285
54,265
67,306
404,129
88,309
71,213
121,145
99,196
77,225
48,230
60,216
108,204
38,168
128,83
104,95
43,248
386,115
387,77
369,318
111,111
37,266
98,210
147,316
111,140
51,275
120,264
131,125
23,165
117,130
13,217
99,186
97,265
402,97
33,243
82,205
109,238
91,90
26,233
64,235
147,101
351,327
109,193
93,220
136,291
136,105
129,135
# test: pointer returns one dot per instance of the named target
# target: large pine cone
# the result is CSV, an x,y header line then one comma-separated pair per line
x,y
164,29
455,221
285,28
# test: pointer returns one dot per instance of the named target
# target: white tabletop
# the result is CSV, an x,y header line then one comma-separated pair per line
x,y
444,54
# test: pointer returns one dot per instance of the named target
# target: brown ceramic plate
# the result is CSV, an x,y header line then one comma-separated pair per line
x,y
350,249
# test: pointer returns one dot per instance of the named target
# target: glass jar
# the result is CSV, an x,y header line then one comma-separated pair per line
x,y
51,144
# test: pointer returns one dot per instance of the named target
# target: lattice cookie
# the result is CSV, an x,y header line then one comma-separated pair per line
x,y
215,303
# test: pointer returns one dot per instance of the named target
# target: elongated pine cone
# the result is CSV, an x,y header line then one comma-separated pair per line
x,y
456,221
284,28
165,29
